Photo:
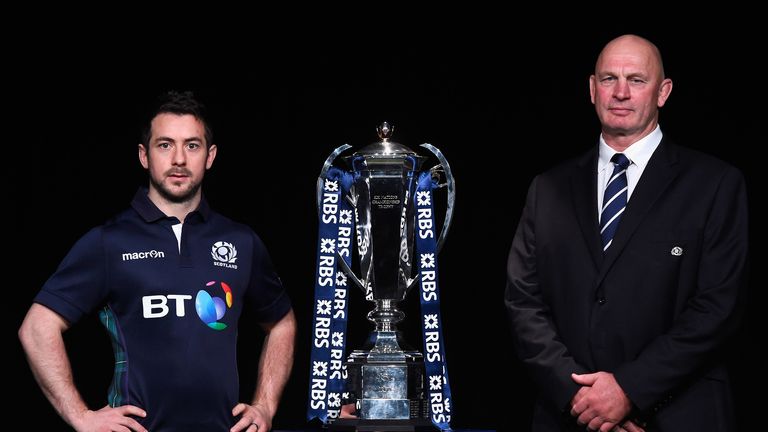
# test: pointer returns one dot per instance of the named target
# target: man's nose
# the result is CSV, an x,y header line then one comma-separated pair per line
x,y
179,156
621,91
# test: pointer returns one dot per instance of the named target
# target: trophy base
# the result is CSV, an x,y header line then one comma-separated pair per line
x,y
384,388
371,425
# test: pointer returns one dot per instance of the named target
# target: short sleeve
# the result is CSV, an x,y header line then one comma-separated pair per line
x,y
265,290
78,285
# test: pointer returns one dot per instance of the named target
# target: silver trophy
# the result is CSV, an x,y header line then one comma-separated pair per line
x,y
386,377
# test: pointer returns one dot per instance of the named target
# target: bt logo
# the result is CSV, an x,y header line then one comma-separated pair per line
x,y
210,309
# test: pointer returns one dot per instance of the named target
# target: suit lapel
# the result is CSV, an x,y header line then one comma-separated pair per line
x,y
584,194
662,168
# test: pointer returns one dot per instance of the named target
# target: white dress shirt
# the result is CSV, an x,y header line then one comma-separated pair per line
x,y
639,153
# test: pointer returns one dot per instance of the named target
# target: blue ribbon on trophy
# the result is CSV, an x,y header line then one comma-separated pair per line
x,y
438,386
329,325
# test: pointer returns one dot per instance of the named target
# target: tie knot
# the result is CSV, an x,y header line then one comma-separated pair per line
x,y
620,160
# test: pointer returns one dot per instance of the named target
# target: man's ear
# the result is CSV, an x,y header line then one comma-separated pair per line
x,y
211,156
664,90
143,156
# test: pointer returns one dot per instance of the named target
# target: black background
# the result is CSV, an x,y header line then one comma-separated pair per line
x,y
501,104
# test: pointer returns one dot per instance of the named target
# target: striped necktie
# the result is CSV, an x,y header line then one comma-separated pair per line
x,y
614,199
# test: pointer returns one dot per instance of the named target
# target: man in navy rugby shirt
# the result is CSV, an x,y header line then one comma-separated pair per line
x,y
169,277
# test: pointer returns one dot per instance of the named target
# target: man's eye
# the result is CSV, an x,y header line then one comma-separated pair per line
x,y
164,145
193,146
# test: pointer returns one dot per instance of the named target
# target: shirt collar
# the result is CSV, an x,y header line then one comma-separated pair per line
x,y
150,213
638,153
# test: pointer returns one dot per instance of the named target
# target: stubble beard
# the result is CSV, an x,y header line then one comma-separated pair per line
x,y
176,198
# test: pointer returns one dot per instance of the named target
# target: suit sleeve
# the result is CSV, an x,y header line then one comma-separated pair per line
x,y
536,339
711,314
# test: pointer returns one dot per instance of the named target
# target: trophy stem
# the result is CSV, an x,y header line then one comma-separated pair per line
x,y
386,315
386,379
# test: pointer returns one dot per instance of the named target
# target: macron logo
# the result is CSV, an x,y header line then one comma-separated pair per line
x,y
130,256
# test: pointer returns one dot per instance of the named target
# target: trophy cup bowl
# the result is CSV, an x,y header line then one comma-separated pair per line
x,y
385,378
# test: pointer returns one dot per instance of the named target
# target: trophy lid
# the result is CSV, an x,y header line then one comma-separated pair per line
x,y
385,149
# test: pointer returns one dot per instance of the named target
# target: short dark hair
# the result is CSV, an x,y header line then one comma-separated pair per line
x,y
179,103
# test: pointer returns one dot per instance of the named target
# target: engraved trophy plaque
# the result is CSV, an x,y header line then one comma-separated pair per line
x,y
387,381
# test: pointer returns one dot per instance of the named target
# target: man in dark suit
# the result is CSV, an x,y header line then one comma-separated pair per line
x,y
620,302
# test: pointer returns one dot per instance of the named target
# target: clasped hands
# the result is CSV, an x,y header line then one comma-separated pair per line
x,y
601,404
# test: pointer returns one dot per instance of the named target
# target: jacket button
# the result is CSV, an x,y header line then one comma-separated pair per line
x,y
602,301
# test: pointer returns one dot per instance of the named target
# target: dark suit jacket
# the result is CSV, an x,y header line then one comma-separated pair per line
x,y
653,316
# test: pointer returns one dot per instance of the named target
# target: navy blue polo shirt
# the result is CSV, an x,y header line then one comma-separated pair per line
x,y
171,310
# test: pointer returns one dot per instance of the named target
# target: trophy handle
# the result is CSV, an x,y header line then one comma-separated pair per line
x,y
320,180
451,192
326,166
